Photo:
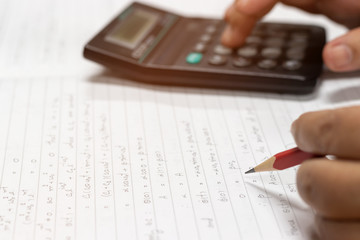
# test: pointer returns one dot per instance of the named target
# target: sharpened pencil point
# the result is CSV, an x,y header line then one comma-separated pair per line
x,y
250,171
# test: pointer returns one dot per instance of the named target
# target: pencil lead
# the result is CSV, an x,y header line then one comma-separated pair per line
x,y
250,171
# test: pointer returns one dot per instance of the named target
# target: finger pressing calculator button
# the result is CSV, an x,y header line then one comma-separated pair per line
x,y
217,60
296,53
247,51
241,62
220,49
292,65
271,52
194,58
267,64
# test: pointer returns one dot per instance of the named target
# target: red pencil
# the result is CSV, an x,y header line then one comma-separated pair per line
x,y
283,160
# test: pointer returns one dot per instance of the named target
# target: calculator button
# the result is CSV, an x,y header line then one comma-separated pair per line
x,y
300,35
296,53
220,49
274,42
292,65
200,47
217,60
276,33
298,44
194,58
205,38
247,51
253,40
271,52
299,41
267,64
241,62
210,29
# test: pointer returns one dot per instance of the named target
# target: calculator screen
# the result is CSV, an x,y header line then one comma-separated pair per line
x,y
131,30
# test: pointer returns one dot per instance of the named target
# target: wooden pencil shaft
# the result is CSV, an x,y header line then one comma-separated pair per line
x,y
266,165
284,160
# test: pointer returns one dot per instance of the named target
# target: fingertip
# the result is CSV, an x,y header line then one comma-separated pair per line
x,y
231,37
314,131
343,53
302,132
338,57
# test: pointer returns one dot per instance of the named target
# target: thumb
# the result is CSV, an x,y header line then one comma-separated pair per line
x,y
343,53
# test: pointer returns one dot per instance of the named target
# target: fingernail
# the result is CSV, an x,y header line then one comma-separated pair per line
x,y
341,55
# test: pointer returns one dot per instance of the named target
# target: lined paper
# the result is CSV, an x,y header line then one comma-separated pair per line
x,y
111,159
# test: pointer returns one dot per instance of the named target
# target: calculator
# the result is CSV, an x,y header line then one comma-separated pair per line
x,y
147,44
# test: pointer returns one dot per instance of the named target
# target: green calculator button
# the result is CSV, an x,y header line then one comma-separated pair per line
x,y
194,58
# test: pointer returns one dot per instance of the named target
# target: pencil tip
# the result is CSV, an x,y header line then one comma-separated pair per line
x,y
250,171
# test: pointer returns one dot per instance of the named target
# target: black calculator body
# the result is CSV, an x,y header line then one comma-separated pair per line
x,y
150,45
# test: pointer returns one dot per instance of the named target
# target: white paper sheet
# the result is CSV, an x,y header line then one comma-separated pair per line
x,y
110,159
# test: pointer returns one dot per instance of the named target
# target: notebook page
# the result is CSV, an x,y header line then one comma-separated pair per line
x,y
110,159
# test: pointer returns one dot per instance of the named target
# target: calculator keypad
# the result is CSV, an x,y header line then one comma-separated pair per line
x,y
268,47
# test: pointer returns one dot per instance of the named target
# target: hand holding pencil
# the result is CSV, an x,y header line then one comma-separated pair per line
x,y
331,187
